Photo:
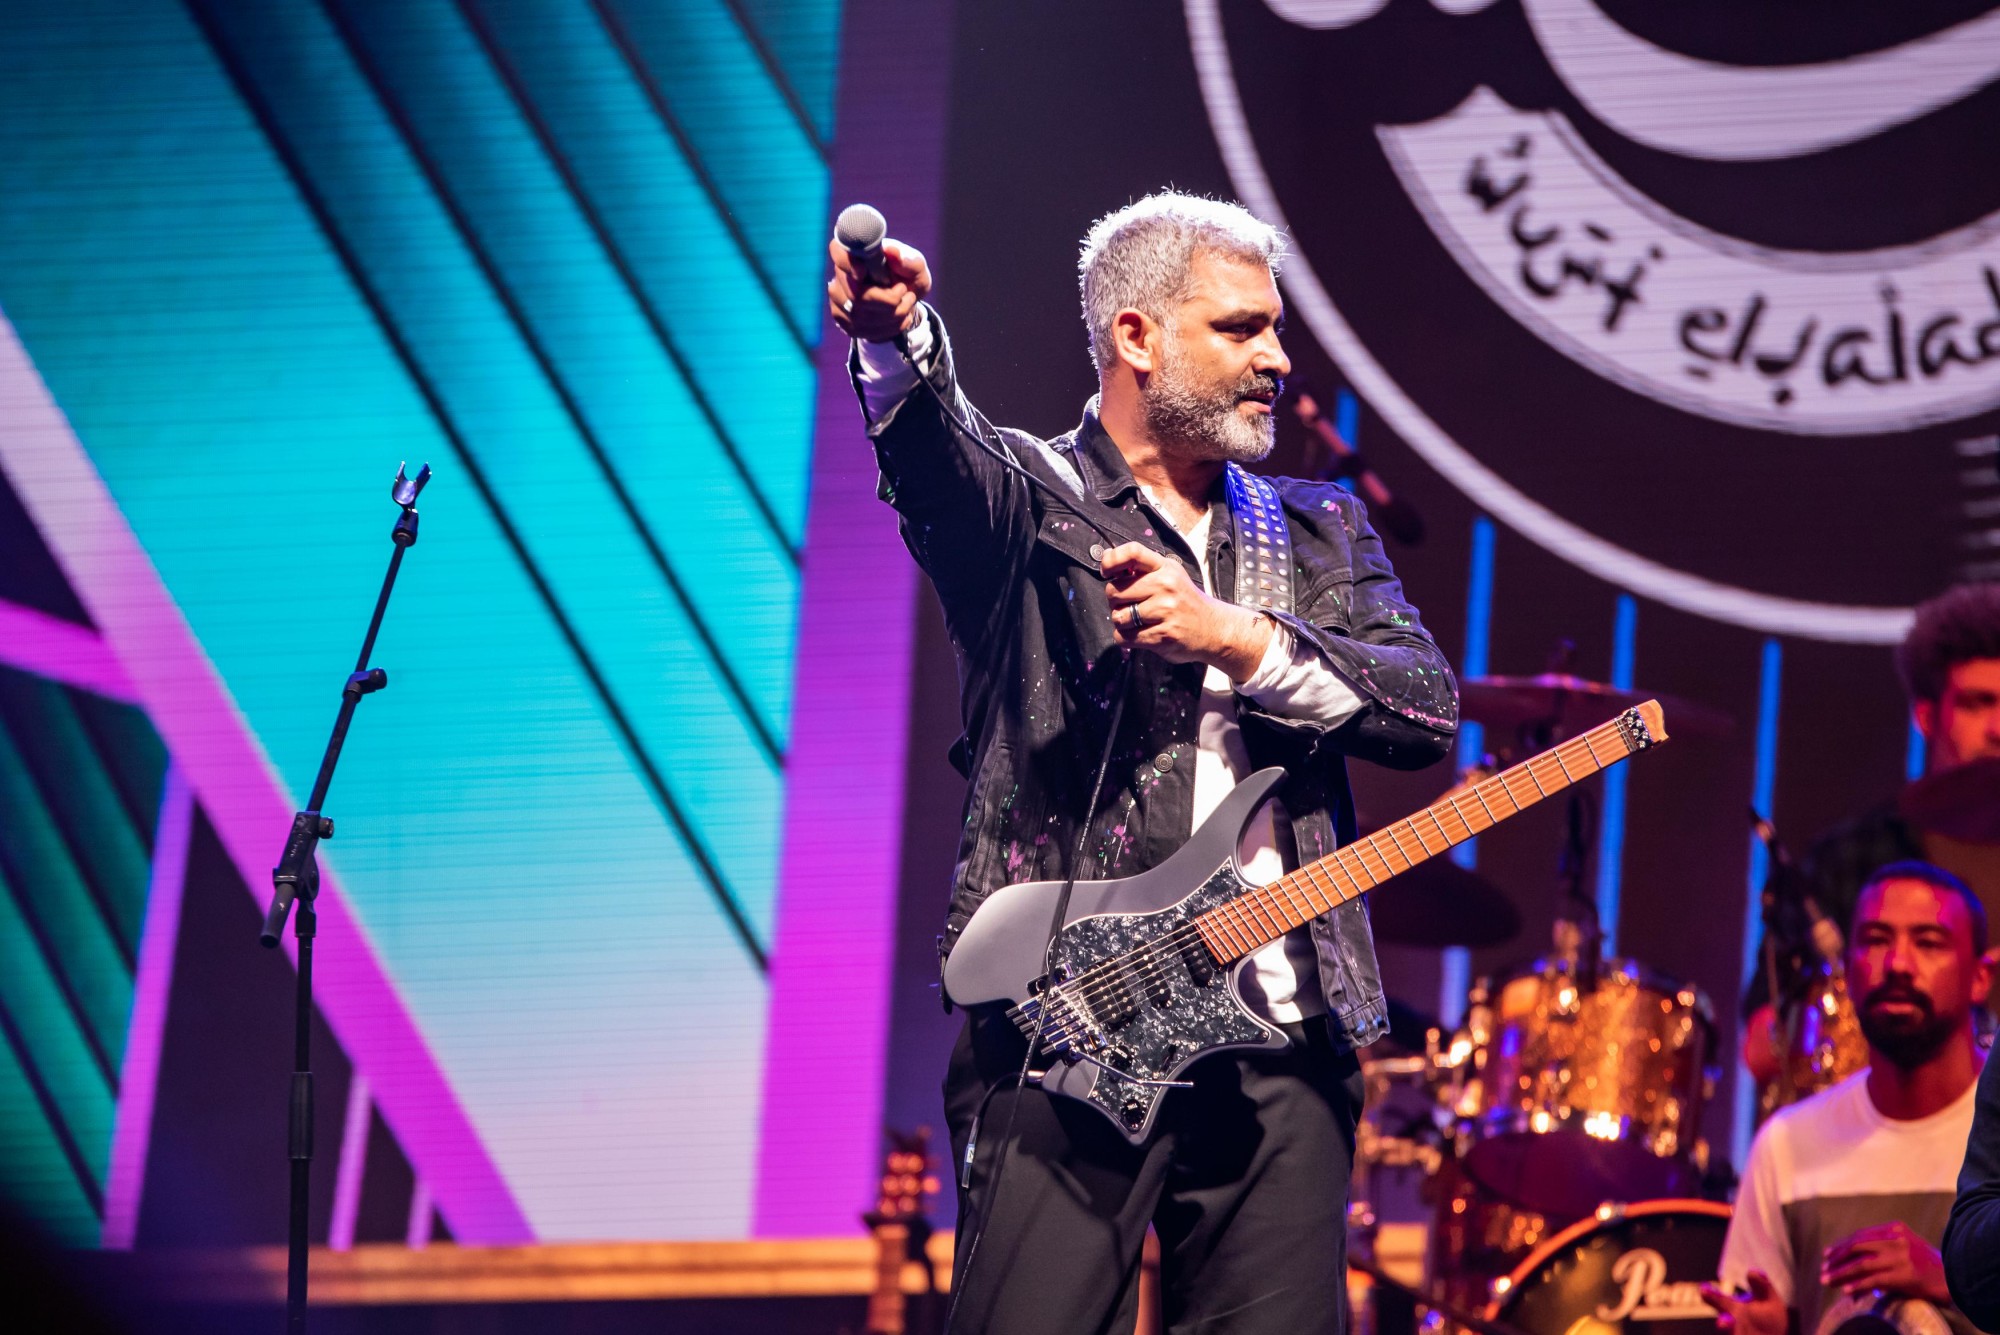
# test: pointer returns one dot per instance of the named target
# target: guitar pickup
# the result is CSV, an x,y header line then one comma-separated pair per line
x,y
1118,1001
1200,964
1150,972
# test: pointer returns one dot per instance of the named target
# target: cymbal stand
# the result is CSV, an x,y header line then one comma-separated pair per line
x,y
1578,936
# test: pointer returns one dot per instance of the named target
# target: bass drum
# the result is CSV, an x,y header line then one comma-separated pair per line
x,y
1629,1270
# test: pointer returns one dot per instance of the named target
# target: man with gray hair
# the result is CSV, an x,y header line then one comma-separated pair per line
x,y
1263,627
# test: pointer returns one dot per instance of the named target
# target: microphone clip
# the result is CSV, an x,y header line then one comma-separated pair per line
x,y
404,491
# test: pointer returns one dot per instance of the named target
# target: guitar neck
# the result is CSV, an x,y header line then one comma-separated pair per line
x,y
1258,917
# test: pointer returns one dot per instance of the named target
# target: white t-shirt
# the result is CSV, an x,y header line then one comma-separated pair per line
x,y
1284,975
1829,1165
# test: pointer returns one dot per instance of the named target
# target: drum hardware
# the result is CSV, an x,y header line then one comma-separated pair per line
x,y
1426,1297
1818,1037
1415,1141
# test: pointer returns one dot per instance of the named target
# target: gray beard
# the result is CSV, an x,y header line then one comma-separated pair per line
x,y
1201,422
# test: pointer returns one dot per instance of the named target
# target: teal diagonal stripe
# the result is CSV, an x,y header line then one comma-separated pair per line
x,y
699,60
802,38
508,412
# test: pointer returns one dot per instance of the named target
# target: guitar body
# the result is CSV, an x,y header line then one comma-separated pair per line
x,y
1154,1000
1145,976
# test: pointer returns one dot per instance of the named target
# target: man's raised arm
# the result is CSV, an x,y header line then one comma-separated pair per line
x,y
962,512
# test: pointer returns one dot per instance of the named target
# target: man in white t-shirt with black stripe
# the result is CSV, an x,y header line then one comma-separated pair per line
x,y
1845,1196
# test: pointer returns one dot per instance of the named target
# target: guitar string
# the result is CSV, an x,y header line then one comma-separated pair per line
x,y
1097,983
1113,982
1241,917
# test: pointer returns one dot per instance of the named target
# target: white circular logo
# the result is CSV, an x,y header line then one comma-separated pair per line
x,y
1697,321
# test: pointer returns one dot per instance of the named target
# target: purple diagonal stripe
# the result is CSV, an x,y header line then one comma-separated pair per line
x,y
352,1165
153,981
61,651
833,946
241,793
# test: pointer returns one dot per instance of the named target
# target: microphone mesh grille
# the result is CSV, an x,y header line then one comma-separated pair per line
x,y
860,227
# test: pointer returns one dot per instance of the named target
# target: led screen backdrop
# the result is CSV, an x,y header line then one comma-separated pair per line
x,y
1677,322
251,256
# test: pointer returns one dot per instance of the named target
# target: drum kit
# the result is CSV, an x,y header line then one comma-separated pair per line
x,y
1554,1133
1552,1136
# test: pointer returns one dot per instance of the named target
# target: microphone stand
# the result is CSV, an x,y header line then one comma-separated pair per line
x,y
296,878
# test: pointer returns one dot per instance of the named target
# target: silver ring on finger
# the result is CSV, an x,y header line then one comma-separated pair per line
x,y
1136,623
847,306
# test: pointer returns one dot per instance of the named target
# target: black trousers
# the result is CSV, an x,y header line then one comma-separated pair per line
x,y
1244,1178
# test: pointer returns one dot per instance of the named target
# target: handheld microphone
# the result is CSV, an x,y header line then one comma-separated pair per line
x,y
859,229
1397,517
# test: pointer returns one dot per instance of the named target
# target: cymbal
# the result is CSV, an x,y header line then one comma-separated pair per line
x,y
1574,704
1439,903
1962,802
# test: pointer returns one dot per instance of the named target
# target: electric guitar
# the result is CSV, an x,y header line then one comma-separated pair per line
x,y
1145,975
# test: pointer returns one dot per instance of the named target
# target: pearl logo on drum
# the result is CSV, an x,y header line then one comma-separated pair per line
x,y
1647,1294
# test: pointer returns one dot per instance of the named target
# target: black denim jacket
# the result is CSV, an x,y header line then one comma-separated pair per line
x,y
1016,574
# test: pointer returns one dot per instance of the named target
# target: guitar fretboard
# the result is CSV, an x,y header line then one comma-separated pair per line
x,y
1260,916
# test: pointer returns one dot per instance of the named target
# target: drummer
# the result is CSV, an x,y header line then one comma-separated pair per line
x,y
1949,663
1848,1191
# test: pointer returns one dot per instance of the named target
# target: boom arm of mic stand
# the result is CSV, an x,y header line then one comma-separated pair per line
x,y
297,874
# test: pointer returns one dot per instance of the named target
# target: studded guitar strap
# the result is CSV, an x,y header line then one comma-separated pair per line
x,y
1263,541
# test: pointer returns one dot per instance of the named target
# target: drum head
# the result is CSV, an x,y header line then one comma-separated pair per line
x,y
1639,1273
1568,1174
